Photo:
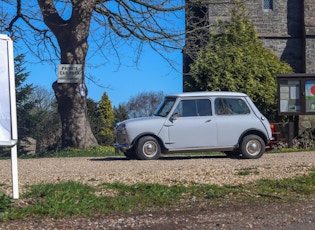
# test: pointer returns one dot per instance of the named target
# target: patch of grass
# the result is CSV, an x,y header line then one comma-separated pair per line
x,y
99,151
73,198
56,200
288,150
5,202
76,199
147,195
214,192
247,171
290,187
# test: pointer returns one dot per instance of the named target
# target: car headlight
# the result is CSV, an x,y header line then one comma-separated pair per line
x,y
121,133
121,128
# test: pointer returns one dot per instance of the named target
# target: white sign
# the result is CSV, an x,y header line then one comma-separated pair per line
x,y
8,122
7,93
70,73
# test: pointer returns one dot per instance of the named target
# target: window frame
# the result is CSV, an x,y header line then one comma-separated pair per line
x,y
267,5
197,107
230,111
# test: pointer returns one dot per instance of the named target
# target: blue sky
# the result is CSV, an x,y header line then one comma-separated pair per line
x,y
152,74
120,82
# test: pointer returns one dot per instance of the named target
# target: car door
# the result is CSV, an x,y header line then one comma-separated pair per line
x,y
233,117
192,125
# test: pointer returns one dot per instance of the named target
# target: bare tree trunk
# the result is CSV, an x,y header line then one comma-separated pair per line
x,y
76,129
72,37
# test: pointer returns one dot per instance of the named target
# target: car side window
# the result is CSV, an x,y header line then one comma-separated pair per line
x,y
230,106
204,107
193,107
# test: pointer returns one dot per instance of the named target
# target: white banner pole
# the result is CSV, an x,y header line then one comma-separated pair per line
x,y
15,181
15,176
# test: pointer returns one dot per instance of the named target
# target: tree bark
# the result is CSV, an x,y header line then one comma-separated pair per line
x,y
76,129
72,37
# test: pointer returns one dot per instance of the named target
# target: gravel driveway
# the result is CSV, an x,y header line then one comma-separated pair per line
x,y
168,171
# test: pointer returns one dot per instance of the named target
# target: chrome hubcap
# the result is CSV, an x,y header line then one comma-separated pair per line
x,y
150,148
253,147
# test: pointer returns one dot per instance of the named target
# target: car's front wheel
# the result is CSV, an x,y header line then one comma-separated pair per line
x,y
148,148
252,147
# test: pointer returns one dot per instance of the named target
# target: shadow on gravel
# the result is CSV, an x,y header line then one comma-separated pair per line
x,y
189,157
110,159
163,158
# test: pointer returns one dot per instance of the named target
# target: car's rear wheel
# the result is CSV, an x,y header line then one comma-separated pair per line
x,y
148,148
252,147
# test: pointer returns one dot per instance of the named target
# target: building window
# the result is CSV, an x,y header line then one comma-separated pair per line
x,y
268,4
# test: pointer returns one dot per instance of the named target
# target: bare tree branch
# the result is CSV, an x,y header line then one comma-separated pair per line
x,y
139,21
135,20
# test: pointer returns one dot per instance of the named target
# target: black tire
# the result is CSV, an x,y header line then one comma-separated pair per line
x,y
148,148
252,147
130,154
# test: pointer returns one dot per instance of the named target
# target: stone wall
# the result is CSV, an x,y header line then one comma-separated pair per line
x,y
280,30
288,29
309,21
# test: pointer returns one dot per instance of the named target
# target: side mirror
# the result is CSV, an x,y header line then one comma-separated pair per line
x,y
175,116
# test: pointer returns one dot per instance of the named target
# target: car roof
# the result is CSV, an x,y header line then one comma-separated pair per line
x,y
208,93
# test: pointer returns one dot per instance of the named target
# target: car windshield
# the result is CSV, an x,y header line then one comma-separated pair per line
x,y
165,107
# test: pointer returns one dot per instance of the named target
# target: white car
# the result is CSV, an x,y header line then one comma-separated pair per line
x,y
197,121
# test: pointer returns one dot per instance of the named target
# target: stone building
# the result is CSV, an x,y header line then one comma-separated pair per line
x,y
286,27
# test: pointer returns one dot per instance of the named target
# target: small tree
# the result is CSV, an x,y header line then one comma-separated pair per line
x,y
106,118
120,113
92,113
235,60
46,127
23,93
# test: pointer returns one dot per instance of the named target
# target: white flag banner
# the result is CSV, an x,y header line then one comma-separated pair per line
x,y
7,112
8,121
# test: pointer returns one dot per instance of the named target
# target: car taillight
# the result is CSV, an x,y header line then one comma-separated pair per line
x,y
272,127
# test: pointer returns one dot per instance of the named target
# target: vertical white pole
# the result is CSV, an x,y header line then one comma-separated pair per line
x,y
15,183
15,176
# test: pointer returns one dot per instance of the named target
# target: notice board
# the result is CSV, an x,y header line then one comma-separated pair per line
x,y
296,94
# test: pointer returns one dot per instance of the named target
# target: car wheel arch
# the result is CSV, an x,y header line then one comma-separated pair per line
x,y
253,132
137,138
